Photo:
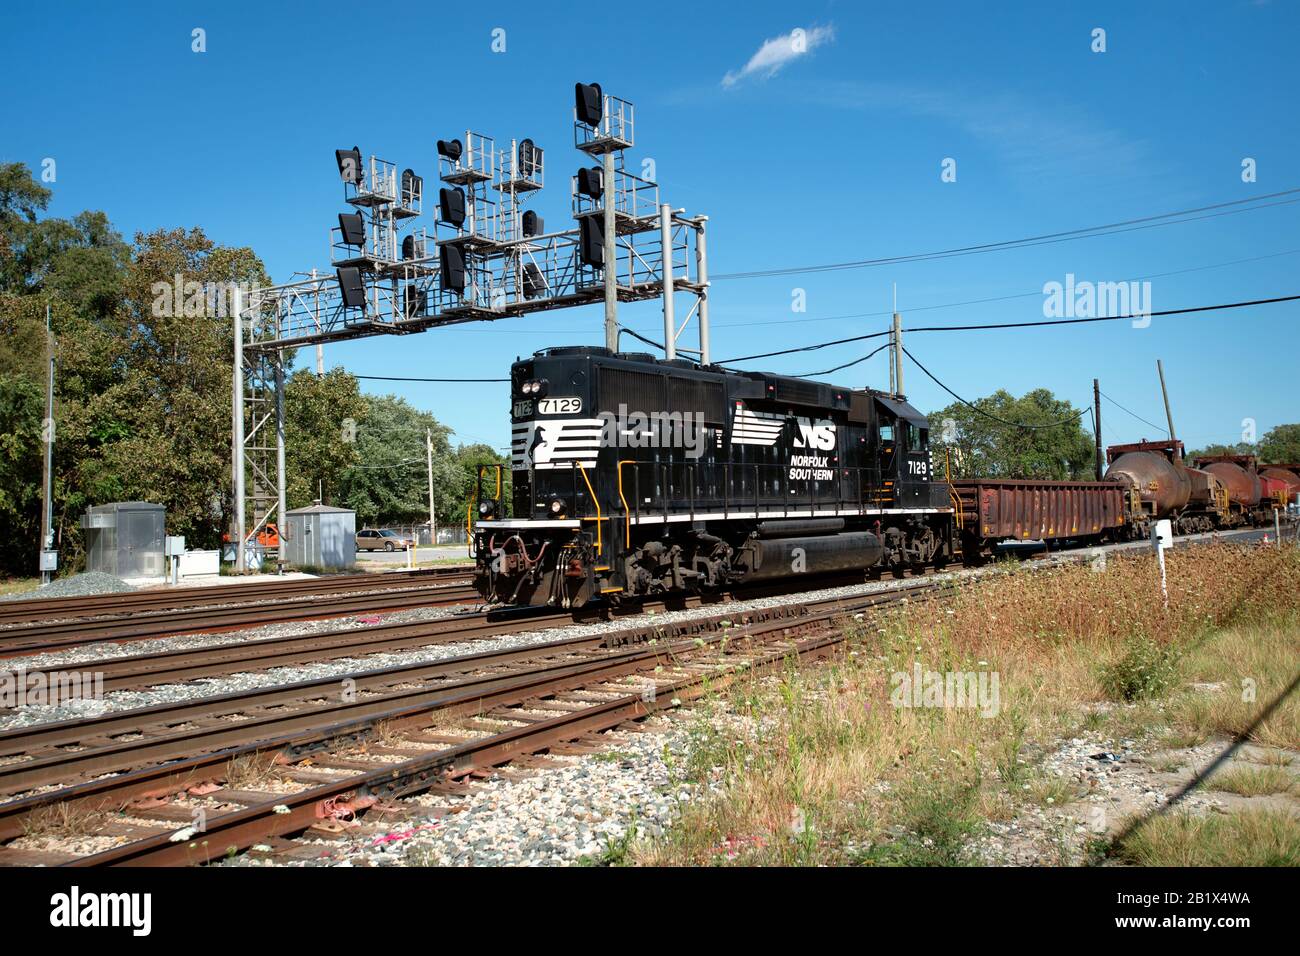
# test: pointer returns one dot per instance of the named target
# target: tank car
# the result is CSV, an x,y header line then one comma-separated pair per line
x,y
1160,485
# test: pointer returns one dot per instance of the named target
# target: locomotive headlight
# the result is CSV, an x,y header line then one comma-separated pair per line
x,y
485,508
557,507
530,388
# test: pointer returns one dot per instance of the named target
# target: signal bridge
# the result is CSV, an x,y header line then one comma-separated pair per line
x,y
487,257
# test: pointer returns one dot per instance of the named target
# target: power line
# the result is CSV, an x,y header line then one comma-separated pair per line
x,y
1102,318
1127,225
1158,428
888,312
806,348
395,378
838,368
391,464
1025,325
976,408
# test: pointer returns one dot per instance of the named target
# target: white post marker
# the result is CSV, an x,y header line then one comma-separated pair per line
x,y
1162,537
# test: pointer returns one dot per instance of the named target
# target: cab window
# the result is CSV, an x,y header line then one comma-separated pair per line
x,y
886,433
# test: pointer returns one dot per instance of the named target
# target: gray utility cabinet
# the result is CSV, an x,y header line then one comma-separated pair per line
x,y
321,536
125,539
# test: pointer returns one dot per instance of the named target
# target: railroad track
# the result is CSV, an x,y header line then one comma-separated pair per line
x,y
64,635
38,609
581,680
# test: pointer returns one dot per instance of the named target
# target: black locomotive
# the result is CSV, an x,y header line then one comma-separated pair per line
x,y
634,476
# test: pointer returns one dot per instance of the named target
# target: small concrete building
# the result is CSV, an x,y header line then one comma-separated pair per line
x,y
125,539
321,536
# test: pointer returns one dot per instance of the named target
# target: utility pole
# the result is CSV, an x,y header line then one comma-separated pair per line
x,y
702,276
433,526
666,253
1096,421
898,355
320,348
237,435
1165,392
610,256
47,477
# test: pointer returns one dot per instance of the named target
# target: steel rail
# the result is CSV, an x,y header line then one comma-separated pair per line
x,y
57,635
168,777
39,609
289,813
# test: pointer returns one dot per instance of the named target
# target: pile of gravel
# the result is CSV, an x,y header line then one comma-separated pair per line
x,y
78,585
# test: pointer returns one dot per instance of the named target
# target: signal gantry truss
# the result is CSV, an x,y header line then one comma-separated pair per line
x,y
487,257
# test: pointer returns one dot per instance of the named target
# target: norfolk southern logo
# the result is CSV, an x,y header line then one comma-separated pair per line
x,y
816,436
820,435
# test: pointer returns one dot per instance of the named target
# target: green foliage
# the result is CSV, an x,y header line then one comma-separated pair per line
x,y
389,482
1241,448
469,458
940,823
321,415
1145,670
143,389
979,445
1281,444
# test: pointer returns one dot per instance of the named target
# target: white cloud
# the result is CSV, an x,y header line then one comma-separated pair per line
x,y
778,51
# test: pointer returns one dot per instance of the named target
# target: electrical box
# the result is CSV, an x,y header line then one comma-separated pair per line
x,y
49,560
174,545
1162,535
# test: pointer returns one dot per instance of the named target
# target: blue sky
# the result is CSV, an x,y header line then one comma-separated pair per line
x,y
833,155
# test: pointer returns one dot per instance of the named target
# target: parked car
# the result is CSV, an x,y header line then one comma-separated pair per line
x,y
374,539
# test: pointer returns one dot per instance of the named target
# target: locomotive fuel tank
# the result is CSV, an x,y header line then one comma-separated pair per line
x,y
821,554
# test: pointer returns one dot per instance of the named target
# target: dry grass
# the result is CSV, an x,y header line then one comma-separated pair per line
x,y
820,768
1249,667
62,821
1252,838
1251,781
250,771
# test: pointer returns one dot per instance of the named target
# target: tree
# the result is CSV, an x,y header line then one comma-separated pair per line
x,y
389,483
142,394
469,458
993,440
322,415
1211,451
1281,444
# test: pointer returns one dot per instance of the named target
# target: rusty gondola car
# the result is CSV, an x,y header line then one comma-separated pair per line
x,y
990,510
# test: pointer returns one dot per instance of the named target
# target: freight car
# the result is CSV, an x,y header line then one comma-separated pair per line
x,y
1252,494
991,510
1159,485
635,476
